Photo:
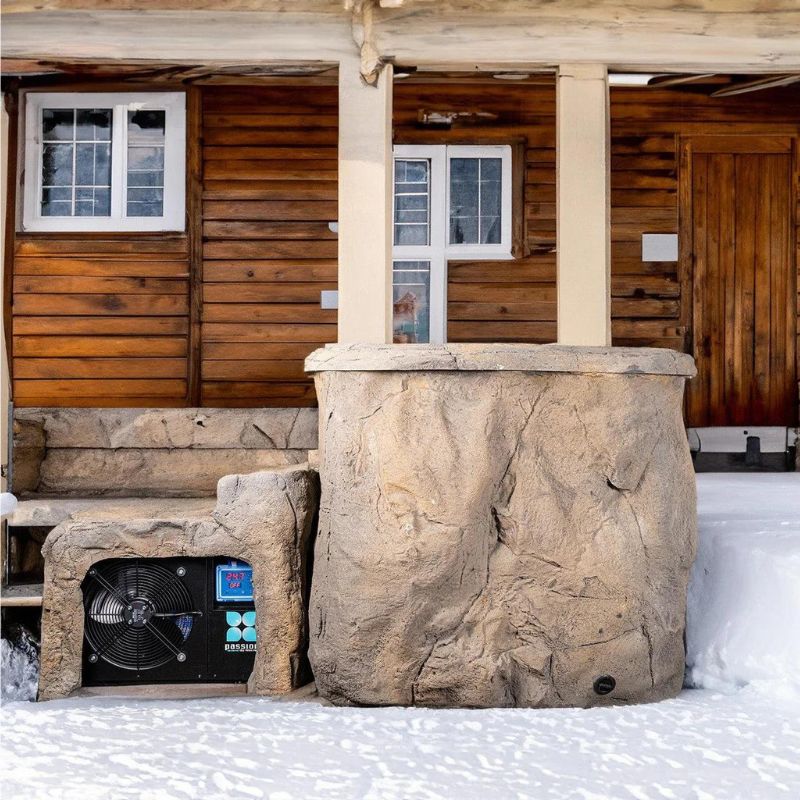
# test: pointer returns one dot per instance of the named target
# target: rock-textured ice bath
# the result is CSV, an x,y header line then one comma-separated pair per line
x,y
501,526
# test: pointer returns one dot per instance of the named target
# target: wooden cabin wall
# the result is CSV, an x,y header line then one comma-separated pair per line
x,y
496,301
646,125
269,194
515,300
106,319
100,320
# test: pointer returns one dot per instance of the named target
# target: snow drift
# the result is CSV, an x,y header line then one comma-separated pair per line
x,y
19,665
743,624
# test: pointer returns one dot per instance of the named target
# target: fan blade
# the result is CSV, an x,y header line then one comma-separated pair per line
x,y
168,614
106,609
771,82
116,638
108,587
166,642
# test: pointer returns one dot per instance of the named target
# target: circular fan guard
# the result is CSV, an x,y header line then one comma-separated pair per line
x,y
138,614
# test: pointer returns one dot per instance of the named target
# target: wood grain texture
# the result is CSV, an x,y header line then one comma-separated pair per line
x,y
100,320
743,279
664,187
499,300
269,194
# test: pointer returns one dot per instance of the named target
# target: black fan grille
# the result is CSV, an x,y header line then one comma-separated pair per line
x,y
116,590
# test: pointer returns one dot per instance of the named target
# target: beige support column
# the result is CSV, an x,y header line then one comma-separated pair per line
x,y
583,205
365,205
5,385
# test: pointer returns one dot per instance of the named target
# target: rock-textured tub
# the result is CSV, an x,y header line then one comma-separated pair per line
x,y
501,525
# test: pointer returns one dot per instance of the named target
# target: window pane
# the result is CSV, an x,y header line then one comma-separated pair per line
x,y
411,201
93,124
145,158
57,165
58,124
146,127
92,164
146,178
145,202
411,299
76,159
145,172
57,202
475,200
92,202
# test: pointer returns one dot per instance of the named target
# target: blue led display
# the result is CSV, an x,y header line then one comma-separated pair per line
x,y
234,582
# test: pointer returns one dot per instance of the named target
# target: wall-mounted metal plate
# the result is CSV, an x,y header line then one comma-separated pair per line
x,y
659,247
329,298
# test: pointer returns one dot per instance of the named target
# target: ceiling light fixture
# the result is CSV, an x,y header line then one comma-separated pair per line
x,y
630,78
511,76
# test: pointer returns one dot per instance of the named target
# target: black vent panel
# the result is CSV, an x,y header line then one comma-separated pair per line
x,y
168,620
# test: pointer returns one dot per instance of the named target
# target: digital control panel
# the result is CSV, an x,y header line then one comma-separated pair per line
x,y
234,582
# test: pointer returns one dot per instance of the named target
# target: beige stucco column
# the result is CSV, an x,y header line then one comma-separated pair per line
x,y
365,205
5,387
583,205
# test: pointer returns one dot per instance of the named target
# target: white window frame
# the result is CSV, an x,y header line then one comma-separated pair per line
x,y
434,250
438,250
174,216
495,252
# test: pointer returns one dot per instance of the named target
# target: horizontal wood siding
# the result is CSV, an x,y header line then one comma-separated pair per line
x,y
100,320
269,194
495,301
649,305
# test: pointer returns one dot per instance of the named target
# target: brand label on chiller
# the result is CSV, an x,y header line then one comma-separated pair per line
x,y
241,634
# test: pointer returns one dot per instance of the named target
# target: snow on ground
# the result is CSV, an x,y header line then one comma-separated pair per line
x,y
701,745
742,741
743,622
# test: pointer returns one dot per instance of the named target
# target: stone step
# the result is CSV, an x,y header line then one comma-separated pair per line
x,y
84,452
43,511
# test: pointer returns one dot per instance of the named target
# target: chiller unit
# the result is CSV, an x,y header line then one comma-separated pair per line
x,y
168,620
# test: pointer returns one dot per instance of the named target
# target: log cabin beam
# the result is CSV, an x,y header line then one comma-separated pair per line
x,y
365,205
662,35
583,214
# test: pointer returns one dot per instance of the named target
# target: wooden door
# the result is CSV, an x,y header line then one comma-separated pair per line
x,y
737,250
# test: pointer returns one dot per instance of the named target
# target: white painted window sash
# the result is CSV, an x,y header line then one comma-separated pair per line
x,y
501,250
438,250
173,218
433,252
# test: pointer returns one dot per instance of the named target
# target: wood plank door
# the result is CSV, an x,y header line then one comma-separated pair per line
x,y
738,261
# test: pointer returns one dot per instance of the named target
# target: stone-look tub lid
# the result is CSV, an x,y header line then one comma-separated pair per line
x,y
498,357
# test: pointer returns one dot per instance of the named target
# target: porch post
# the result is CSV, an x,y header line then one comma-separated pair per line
x,y
365,206
583,205
5,381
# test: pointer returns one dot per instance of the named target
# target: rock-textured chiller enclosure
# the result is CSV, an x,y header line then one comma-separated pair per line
x,y
264,518
501,525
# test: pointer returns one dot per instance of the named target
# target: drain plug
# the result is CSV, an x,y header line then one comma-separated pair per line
x,y
605,684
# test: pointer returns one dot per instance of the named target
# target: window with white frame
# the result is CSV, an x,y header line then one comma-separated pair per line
x,y
104,162
450,202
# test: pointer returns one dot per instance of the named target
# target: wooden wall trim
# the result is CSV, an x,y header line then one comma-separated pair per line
x,y
685,238
194,229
